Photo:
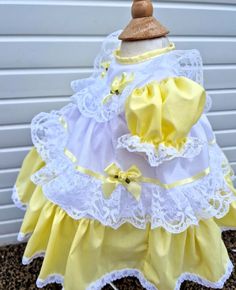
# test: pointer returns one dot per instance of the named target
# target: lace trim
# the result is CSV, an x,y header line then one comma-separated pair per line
x,y
197,279
115,275
119,274
225,229
109,45
90,92
173,209
23,237
208,104
157,156
54,278
27,261
15,198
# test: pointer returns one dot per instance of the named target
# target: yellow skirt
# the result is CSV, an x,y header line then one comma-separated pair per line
x,y
84,254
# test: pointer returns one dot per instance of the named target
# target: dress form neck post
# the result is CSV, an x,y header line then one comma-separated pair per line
x,y
144,33
133,48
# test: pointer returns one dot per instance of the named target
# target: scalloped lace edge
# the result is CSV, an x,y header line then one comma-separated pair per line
x,y
53,278
225,229
23,237
119,274
51,149
156,156
16,199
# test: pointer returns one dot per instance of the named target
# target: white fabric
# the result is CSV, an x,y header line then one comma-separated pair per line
x,y
95,146
157,156
15,198
92,135
89,93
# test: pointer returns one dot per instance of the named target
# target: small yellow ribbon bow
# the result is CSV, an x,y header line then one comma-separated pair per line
x,y
105,65
118,85
128,178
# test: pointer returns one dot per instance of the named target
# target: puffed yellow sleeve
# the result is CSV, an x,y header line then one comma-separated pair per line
x,y
164,112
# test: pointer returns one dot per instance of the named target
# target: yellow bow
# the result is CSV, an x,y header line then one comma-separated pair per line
x,y
118,85
105,65
128,178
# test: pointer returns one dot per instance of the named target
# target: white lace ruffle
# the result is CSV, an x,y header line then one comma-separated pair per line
x,y
110,277
23,237
90,92
81,195
157,156
119,274
27,261
54,278
225,229
109,45
208,104
15,198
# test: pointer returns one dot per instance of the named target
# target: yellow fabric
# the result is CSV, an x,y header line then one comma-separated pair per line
x,y
105,65
129,179
85,250
97,175
165,111
144,56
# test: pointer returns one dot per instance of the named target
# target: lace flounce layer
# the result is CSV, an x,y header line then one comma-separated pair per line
x,y
157,156
58,223
81,195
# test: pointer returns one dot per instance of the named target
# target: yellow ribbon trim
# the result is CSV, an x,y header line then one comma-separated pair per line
x,y
105,65
144,56
63,123
128,179
118,85
138,178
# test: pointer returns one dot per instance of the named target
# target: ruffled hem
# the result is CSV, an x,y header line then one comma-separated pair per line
x,y
110,277
119,274
116,275
50,223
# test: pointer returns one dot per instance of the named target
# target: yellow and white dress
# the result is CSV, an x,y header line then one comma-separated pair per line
x,y
128,180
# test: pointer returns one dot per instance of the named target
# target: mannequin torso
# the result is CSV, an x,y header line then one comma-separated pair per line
x,y
133,48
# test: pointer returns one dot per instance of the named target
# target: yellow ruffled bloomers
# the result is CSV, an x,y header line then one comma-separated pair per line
x,y
83,251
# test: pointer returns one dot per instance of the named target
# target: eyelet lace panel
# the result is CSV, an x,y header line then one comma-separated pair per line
x,y
157,156
119,274
81,195
90,92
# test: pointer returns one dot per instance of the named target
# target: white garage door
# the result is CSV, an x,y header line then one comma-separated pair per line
x,y
46,44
